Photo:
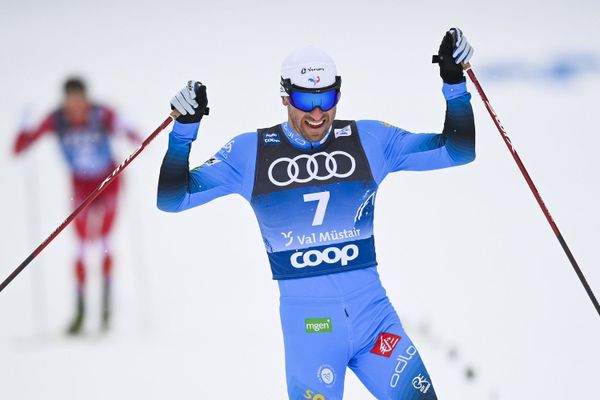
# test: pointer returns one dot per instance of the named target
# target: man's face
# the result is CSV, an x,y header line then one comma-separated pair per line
x,y
76,107
311,125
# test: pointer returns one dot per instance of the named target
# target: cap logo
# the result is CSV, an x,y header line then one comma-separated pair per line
x,y
315,80
311,69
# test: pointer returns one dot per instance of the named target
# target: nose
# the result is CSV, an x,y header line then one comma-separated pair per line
x,y
316,113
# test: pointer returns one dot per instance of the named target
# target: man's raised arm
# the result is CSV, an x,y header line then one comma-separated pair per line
x,y
455,145
178,187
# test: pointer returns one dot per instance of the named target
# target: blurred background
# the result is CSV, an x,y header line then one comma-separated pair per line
x,y
468,259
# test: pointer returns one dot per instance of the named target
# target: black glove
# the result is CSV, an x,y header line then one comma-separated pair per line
x,y
454,51
191,102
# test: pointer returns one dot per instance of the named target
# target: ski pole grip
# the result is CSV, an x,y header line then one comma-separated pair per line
x,y
175,114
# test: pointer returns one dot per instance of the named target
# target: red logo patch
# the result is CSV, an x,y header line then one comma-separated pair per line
x,y
385,344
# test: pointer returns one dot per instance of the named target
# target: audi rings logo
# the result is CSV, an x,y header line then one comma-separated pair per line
x,y
337,164
330,255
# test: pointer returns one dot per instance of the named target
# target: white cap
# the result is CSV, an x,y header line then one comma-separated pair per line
x,y
308,67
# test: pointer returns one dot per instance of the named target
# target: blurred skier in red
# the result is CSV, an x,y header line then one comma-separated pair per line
x,y
84,130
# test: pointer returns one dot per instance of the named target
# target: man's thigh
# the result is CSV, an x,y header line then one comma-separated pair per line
x,y
316,349
392,368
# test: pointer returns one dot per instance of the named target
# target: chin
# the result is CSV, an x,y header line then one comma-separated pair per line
x,y
314,135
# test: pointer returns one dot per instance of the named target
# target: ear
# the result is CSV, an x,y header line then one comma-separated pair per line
x,y
285,100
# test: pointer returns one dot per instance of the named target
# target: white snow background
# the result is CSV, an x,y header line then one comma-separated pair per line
x,y
466,255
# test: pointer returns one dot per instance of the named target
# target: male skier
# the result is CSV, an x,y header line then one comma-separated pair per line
x,y
312,182
84,130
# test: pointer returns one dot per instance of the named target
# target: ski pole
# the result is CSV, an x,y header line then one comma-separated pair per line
x,y
535,192
95,193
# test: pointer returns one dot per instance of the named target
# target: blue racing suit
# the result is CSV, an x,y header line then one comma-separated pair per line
x,y
314,203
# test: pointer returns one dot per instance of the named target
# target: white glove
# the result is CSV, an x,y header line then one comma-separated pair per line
x,y
191,102
462,49
184,101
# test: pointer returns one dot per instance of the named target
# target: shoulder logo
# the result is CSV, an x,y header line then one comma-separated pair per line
x,y
226,150
345,131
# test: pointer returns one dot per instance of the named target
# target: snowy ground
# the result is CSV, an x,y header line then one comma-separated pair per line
x,y
466,255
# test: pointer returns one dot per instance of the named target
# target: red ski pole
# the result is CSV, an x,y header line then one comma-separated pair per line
x,y
534,190
95,193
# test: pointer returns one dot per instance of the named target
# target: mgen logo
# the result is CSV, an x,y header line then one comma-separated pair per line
x,y
317,325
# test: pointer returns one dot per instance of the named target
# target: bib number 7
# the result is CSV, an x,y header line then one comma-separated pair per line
x,y
322,198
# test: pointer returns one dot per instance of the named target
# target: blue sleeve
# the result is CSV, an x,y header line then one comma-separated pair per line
x,y
393,149
230,170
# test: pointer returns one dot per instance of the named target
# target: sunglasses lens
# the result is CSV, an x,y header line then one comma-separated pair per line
x,y
307,101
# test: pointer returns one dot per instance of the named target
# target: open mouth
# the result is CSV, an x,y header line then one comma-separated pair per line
x,y
315,124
